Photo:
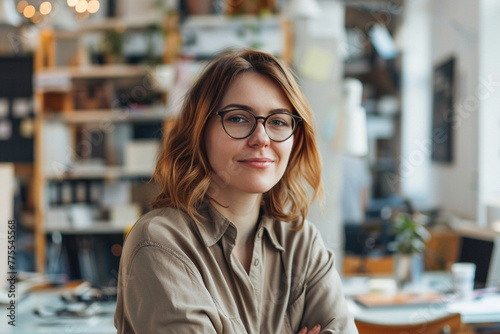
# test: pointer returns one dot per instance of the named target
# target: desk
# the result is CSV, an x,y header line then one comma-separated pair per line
x,y
28,323
474,312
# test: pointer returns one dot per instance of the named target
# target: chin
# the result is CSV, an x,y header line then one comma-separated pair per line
x,y
258,188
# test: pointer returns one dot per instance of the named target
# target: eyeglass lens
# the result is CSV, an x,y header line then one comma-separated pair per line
x,y
241,123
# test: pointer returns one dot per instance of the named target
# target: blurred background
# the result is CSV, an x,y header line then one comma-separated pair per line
x,y
405,96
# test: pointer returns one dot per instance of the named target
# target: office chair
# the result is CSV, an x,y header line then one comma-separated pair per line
x,y
450,324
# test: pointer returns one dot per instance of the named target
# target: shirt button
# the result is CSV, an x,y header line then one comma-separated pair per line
x,y
256,262
259,235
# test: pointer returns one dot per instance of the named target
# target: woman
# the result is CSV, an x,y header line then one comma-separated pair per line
x,y
227,248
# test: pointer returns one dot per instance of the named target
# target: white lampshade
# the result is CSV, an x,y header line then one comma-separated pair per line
x,y
355,135
302,9
493,214
8,13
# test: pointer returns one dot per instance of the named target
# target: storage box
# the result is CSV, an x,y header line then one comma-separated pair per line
x,y
141,155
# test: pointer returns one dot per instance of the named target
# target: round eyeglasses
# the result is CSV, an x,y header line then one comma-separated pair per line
x,y
240,124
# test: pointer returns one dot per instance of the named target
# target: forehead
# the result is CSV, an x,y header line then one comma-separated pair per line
x,y
255,90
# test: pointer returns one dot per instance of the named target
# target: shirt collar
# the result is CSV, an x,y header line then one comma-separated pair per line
x,y
214,225
269,225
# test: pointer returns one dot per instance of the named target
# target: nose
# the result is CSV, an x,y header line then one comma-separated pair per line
x,y
259,137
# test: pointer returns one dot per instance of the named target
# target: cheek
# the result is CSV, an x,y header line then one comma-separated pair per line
x,y
286,150
219,154
212,143
284,156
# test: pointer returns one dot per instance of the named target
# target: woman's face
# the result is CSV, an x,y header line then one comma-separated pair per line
x,y
253,164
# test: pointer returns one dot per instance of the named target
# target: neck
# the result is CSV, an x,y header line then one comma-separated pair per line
x,y
243,211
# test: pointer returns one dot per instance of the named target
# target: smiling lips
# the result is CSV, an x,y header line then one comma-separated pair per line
x,y
257,162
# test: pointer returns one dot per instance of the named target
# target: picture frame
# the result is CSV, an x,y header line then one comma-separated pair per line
x,y
443,111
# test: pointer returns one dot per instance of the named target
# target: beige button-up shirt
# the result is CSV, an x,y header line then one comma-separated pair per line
x,y
177,276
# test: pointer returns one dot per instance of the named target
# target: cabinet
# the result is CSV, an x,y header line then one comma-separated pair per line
x,y
98,127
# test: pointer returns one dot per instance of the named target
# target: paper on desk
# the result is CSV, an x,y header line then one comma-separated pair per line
x,y
484,305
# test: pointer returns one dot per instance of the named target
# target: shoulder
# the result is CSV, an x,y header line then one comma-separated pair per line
x,y
290,237
300,246
168,229
159,225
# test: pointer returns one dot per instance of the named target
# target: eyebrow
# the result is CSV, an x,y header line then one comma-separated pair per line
x,y
244,107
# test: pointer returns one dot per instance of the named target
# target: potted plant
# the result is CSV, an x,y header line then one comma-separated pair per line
x,y
113,42
411,237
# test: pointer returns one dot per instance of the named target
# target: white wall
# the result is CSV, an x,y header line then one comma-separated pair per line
x,y
414,39
438,30
489,118
455,26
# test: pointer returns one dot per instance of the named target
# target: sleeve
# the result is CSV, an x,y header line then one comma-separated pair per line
x,y
324,299
159,293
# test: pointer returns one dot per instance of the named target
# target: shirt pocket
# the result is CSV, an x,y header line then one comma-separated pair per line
x,y
294,314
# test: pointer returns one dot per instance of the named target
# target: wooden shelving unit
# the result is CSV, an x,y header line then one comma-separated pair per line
x,y
55,95
55,89
121,116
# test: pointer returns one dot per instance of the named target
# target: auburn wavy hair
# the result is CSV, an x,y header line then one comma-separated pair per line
x,y
183,171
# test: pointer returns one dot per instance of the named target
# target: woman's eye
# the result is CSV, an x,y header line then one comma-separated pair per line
x,y
278,122
237,119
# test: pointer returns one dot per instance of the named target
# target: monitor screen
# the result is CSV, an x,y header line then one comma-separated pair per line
x,y
16,76
16,109
478,251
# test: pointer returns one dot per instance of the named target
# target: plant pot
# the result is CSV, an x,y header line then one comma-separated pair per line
x,y
197,7
408,269
112,59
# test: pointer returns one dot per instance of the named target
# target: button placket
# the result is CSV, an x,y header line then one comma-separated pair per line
x,y
257,248
256,269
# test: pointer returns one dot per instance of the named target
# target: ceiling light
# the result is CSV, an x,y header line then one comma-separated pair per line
x,y
29,11
94,6
81,6
45,8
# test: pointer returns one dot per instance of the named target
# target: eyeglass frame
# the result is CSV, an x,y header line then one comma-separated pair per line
x,y
223,113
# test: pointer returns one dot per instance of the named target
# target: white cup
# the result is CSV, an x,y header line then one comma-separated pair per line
x,y
463,279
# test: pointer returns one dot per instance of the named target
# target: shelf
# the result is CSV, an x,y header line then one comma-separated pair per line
x,y
206,35
100,227
207,21
70,91
377,115
101,25
58,79
98,172
148,114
